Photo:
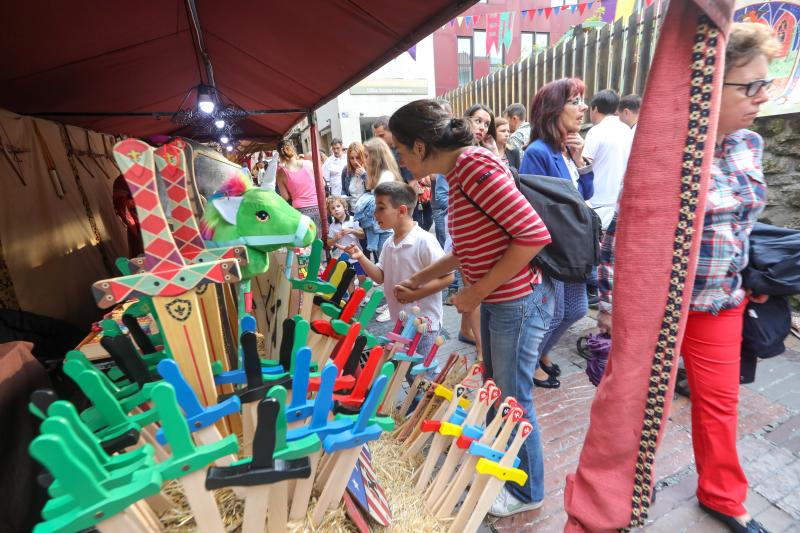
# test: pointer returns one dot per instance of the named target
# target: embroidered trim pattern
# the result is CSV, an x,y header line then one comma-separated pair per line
x,y
703,59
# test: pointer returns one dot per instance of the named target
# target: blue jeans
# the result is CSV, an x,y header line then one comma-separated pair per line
x,y
571,304
382,238
440,225
511,333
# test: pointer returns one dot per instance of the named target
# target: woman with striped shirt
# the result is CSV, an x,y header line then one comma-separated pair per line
x,y
495,234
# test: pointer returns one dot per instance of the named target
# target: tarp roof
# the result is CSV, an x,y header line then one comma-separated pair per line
x,y
99,56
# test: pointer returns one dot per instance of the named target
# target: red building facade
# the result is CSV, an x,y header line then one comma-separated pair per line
x,y
460,47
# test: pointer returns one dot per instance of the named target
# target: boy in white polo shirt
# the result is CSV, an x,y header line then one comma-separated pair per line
x,y
408,251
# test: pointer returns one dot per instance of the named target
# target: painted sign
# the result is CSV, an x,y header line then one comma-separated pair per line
x,y
783,18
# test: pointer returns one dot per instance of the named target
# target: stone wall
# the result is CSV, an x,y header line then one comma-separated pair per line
x,y
781,168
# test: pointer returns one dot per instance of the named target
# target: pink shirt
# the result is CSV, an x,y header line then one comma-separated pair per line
x,y
301,186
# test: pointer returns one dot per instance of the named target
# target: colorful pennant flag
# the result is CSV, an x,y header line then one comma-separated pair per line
x,y
573,7
413,52
460,21
556,10
547,12
468,20
539,11
581,8
492,32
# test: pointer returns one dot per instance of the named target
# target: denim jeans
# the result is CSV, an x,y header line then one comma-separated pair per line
x,y
382,238
511,333
571,304
440,225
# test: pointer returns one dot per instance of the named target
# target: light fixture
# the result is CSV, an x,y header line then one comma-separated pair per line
x,y
205,99
219,123
229,148
224,139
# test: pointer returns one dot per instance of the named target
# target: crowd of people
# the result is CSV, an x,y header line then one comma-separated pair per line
x,y
426,168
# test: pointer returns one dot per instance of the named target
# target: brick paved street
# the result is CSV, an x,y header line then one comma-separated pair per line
x,y
769,443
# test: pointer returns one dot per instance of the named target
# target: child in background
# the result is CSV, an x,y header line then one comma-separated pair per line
x,y
344,231
406,252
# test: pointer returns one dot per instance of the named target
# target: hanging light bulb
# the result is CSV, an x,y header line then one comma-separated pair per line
x,y
219,123
224,139
229,148
205,102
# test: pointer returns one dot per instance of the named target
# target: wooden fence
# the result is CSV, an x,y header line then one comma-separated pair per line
x,y
615,57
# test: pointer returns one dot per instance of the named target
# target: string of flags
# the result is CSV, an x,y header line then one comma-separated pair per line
x,y
499,25
546,12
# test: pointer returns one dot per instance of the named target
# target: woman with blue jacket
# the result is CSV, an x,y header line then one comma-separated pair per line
x,y
556,149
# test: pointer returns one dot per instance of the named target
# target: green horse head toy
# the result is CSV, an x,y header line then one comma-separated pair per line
x,y
242,214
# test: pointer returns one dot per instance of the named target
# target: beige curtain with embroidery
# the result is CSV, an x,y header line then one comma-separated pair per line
x,y
58,228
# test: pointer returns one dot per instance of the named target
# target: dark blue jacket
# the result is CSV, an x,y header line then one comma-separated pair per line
x,y
541,159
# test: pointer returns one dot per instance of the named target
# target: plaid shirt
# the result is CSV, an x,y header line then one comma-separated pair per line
x,y
736,197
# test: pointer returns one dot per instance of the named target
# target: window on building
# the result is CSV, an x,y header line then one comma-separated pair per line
x,y
533,41
561,3
479,42
465,73
496,57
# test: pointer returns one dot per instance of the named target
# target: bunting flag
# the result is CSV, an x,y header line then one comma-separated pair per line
x,y
413,52
496,23
492,32
506,29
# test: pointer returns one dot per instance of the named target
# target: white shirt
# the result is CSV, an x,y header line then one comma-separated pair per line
x,y
608,145
332,172
336,226
400,260
386,175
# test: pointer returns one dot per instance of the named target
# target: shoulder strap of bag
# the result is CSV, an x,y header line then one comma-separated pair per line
x,y
476,206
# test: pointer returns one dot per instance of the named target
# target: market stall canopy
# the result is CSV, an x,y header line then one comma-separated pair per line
x,y
142,57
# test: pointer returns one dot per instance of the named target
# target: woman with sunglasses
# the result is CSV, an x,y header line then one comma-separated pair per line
x,y
712,340
556,149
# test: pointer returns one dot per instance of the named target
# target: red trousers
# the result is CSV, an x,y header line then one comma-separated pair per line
x,y
711,353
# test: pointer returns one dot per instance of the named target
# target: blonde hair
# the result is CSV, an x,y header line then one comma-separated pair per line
x,y
358,149
380,160
286,151
335,200
748,40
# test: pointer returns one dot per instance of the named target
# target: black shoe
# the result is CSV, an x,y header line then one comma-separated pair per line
x,y
551,370
593,297
550,383
682,383
752,526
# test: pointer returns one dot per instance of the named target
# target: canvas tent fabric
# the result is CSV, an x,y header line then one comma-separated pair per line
x,y
141,57
59,233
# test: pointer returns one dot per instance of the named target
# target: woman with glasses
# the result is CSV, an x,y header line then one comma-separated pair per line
x,y
712,341
556,149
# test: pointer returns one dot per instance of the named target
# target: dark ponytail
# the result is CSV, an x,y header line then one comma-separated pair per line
x,y
428,121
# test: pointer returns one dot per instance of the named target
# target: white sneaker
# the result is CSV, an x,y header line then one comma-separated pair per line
x,y
506,504
384,316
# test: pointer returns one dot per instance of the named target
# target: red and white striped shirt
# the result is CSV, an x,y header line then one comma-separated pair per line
x,y
478,242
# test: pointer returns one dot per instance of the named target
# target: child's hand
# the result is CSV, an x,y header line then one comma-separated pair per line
x,y
404,294
353,250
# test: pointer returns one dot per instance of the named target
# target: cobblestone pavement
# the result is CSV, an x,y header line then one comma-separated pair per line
x,y
769,442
